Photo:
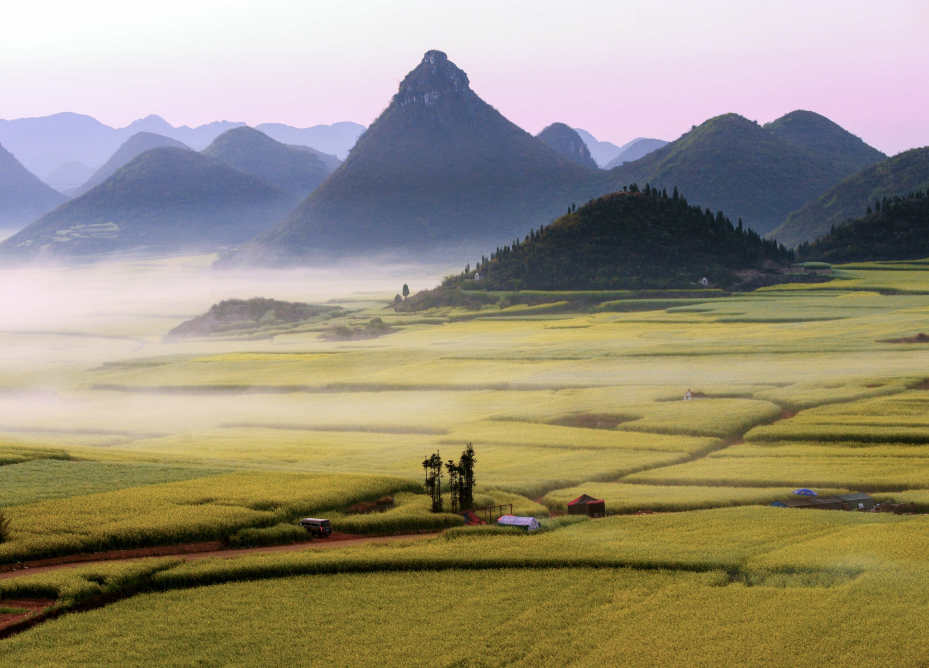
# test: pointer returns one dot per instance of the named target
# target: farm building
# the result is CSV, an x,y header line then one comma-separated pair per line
x,y
587,505
527,523
821,502
850,501
857,501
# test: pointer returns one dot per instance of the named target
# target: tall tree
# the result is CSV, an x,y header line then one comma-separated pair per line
x,y
454,484
465,471
433,468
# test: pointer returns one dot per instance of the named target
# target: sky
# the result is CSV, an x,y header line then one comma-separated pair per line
x,y
618,68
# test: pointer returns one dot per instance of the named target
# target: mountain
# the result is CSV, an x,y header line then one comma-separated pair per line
x,y
45,143
295,170
637,148
733,164
896,229
197,138
135,146
23,197
68,176
332,140
632,240
568,144
166,199
899,175
601,151
826,139
439,167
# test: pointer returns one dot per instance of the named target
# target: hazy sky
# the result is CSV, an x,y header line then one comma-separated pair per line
x,y
618,68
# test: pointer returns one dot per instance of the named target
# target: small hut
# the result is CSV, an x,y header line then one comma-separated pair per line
x,y
820,502
857,501
527,523
587,505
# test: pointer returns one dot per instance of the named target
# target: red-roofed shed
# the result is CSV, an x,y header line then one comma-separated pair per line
x,y
587,505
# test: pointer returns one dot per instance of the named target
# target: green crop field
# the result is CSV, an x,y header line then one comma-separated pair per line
x,y
663,584
112,437
499,617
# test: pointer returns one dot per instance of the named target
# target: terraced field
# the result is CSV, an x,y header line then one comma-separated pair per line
x,y
147,442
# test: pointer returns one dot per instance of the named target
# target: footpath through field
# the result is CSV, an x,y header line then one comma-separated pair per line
x,y
191,551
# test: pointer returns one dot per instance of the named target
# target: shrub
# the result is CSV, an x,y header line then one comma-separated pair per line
x,y
4,527
279,534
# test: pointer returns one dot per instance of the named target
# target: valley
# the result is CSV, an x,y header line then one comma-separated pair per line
x,y
230,439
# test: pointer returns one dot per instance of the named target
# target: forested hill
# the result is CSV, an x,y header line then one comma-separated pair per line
x,y
893,229
904,173
631,240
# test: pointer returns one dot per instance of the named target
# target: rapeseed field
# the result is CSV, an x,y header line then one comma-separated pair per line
x,y
145,442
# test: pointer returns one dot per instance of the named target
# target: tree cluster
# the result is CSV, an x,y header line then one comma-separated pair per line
x,y
894,228
461,480
637,238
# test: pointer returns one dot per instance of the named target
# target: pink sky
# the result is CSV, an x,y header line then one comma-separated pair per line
x,y
619,69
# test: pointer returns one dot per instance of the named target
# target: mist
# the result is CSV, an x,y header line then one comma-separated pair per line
x,y
124,297
60,322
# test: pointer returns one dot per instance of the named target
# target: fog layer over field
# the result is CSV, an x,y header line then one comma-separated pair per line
x,y
58,322
91,299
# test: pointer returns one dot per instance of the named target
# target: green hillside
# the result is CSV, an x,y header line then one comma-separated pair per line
x,y
826,139
899,175
631,240
294,170
751,172
165,199
894,229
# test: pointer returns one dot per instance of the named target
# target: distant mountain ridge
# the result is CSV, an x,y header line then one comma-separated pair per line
x,y
601,151
438,167
294,170
635,149
331,140
136,145
730,163
165,200
23,196
69,176
568,144
43,144
849,199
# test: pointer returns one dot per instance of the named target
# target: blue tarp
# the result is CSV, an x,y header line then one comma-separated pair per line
x,y
804,492
779,504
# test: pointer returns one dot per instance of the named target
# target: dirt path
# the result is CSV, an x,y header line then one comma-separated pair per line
x,y
26,613
192,551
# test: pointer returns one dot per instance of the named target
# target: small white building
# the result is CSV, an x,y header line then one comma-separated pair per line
x,y
527,523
